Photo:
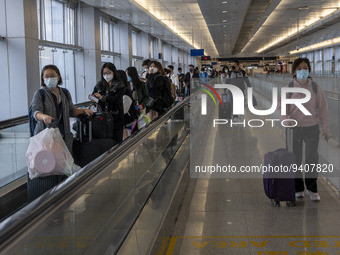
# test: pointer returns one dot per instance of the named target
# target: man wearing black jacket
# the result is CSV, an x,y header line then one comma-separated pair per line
x,y
187,79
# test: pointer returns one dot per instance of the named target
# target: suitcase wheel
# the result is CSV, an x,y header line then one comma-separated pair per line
x,y
275,202
291,203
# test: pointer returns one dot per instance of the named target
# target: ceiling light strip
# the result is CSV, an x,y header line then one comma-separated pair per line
x,y
157,16
319,45
296,31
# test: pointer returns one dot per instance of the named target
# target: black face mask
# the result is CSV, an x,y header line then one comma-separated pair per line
x,y
233,67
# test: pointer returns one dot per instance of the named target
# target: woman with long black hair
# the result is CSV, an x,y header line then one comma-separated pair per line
x,y
139,90
109,90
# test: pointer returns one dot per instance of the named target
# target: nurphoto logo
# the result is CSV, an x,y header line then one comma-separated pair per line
x,y
239,107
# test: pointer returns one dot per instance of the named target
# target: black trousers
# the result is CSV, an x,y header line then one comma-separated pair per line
x,y
118,134
310,136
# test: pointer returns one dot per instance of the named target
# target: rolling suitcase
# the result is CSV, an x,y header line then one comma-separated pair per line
x,y
86,149
280,186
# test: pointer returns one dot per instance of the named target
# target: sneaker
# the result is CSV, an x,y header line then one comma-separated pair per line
x,y
300,194
314,196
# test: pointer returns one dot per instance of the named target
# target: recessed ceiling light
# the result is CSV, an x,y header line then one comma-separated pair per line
x,y
224,11
224,20
224,26
224,2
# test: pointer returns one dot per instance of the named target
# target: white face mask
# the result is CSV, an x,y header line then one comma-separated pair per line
x,y
51,82
108,77
155,70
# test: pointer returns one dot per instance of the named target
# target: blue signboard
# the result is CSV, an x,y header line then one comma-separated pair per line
x,y
196,53
213,63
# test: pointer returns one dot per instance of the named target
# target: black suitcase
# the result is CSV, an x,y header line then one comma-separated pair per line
x,y
86,149
40,185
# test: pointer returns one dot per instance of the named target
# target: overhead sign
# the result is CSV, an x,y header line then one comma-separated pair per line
x,y
196,52
205,58
213,63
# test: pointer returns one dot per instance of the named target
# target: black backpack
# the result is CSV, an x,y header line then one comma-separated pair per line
x,y
165,94
31,119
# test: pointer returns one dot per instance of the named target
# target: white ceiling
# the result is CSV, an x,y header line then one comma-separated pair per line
x,y
229,26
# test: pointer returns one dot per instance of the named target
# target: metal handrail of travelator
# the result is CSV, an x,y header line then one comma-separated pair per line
x,y
14,228
24,119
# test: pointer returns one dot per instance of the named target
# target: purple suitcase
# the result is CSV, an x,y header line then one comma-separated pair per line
x,y
279,186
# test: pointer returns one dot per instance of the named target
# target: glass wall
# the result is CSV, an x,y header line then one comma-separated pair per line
x,y
327,60
57,21
57,24
110,46
310,56
134,43
64,60
318,61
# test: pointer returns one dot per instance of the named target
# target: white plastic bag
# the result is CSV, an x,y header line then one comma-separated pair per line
x,y
47,154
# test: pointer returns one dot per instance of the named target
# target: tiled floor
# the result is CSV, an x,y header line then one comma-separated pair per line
x,y
234,216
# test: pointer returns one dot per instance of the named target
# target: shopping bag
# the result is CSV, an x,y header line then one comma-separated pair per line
x,y
47,154
143,120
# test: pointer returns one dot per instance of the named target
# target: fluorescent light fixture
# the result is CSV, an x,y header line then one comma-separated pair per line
x,y
317,45
272,18
295,31
224,11
156,9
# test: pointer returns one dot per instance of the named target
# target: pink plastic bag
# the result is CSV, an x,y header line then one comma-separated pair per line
x,y
47,154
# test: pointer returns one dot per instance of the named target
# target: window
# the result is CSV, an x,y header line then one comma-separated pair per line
x,y
115,59
318,61
109,34
167,53
116,45
64,60
337,59
105,34
152,48
134,43
328,54
57,21
310,56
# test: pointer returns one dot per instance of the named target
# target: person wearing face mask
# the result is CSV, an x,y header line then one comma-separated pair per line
x,y
140,92
307,129
146,65
181,77
52,104
156,80
110,90
188,78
